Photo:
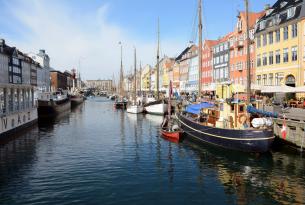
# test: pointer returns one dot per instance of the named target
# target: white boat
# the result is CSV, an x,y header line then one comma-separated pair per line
x,y
158,107
135,107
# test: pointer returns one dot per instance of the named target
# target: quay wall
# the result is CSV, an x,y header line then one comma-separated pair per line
x,y
17,120
295,132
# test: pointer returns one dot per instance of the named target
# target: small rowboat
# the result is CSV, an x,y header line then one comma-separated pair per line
x,y
174,135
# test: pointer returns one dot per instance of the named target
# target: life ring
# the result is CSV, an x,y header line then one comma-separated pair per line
x,y
242,116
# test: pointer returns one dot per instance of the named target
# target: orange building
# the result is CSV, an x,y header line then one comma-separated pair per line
x,y
207,64
176,76
238,48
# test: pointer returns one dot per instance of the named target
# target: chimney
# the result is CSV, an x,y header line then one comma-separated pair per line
x,y
2,44
42,52
267,7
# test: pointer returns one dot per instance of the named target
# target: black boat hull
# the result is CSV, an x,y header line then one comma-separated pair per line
x,y
120,105
52,108
76,100
241,140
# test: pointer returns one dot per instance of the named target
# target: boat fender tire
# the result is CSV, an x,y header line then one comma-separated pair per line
x,y
242,118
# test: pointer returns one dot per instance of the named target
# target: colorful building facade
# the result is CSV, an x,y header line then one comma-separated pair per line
x,y
280,44
207,65
238,49
221,60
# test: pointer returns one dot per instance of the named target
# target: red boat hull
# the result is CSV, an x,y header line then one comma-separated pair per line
x,y
175,135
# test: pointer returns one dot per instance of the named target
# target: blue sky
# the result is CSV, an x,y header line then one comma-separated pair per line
x,y
87,32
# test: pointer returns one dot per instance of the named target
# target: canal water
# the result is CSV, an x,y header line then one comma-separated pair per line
x,y
98,155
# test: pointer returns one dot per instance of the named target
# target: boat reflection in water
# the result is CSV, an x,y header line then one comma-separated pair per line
x,y
273,178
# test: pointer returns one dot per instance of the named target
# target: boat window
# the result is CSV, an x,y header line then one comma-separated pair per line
x,y
241,108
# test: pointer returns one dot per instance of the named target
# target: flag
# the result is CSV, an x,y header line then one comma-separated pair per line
x,y
284,130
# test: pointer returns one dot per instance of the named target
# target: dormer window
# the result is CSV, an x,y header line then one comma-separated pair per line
x,y
283,4
262,24
269,11
277,19
239,25
291,12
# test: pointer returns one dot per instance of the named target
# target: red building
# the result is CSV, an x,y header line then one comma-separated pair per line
x,y
238,49
207,64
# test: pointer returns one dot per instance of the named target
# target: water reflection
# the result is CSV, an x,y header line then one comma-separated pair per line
x,y
274,178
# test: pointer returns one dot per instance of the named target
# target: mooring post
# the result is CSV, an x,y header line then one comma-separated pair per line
x,y
302,144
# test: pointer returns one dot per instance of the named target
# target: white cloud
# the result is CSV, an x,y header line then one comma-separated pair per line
x,y
67,38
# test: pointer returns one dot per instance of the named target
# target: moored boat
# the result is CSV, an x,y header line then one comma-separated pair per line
x,y
54,104
174,135
158,107
76,100
169,128
136,106
230,133
120,103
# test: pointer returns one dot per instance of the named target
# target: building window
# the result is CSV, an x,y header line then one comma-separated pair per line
x,y
294,53
252,63
270,78
285,32
270,57
2,100
264,59
15,73
291,12
294,30
16,100
277,57
278,36
258,42
259,79
10,100
265,79
264,39
258,61
278,78
226,57
285,55
271,38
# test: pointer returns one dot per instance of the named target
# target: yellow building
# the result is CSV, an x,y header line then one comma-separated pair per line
x,y
145,82
166,70
279,45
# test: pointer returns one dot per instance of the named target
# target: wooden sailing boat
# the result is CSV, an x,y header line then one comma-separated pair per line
x,y
135,107
158,106
120,101
226,123
169,129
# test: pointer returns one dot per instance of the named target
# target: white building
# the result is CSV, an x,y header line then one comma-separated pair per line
x,y
43,73
193,75
18,79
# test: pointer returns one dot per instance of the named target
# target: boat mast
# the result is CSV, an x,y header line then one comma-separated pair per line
x,y
121,71
199,48
158,57
140,78
248,54
135,76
